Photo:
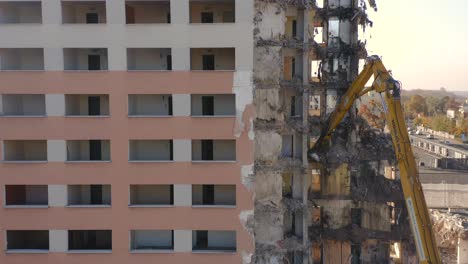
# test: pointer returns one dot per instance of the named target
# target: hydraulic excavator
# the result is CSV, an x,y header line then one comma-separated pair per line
x,y
413,194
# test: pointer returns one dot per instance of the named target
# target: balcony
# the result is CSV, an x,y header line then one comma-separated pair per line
x,y
209,195
25,150
19,241
23,105
84,241
213,105
85,59
149,105
151,195
213,241
88,150
21,59
86,105
212,11
89,195
213,150
26,196
27,12
151,240
149,59
212,59
84,12
147,12
150,150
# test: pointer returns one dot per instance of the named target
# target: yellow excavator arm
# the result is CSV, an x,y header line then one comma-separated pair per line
x,y
389,88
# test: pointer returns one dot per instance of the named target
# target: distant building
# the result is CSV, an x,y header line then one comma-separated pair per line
x,y
451,113
464,109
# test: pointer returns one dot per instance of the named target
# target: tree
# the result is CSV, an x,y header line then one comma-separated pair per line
x,y
417,104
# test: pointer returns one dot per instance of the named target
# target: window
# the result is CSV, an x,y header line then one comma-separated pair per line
x,y
169,62
142,240
151,150
89,195
207,149
217,195
90,240
294,28
208,105
223,241
207,17
25,150
356,216
92,18
148,11
94,62
26,195
27,239
355,254
95,152
208,62
149,105
22,105
293,105
151,195
94,105
208,194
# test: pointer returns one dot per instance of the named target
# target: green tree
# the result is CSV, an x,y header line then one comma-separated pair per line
x,y
417,104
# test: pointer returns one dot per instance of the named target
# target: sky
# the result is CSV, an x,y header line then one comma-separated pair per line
x,y
423,42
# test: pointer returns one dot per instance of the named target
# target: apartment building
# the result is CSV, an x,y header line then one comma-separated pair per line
x,y
124,129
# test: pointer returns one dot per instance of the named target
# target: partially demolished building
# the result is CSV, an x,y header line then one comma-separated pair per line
x,y
349,208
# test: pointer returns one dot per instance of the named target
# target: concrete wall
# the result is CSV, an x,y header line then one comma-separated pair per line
x,y
148,104
150,195
17,12
150,150
146,59
446,195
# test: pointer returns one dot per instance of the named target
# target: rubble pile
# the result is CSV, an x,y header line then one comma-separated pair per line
x,y
447,228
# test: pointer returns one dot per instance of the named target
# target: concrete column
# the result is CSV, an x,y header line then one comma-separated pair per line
x,y
58,240
182,240
57,195
180,13
115,10
181,59
462,251
55,104
56,151
182,194
117,58
181,104
182,150
52,12
53,59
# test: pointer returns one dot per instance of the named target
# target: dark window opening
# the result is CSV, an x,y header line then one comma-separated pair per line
x,y
293,222
294,28
356,216
208,194
208,62
96,194
15,194
27,240
293,67
90,240
208,105
92,18
202,239
169,62
293,105
170,105
355,254
171,193
94,62
207,17
207,149
95,150
168,18
130,14
171,150
94,105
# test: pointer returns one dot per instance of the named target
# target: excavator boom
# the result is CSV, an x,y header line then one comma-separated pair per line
x,y
412,189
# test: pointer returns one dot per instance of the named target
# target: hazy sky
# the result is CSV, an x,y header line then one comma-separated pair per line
x,y
423,42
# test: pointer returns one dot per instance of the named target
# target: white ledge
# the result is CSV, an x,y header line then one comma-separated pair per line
x,y
88,251
151,251
212,116
23,70
211,251
151,116
26,206
87,161
88,206
213,161
27,251
149,70
214,206
88,116
150,206
150,161
23,116
24,161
